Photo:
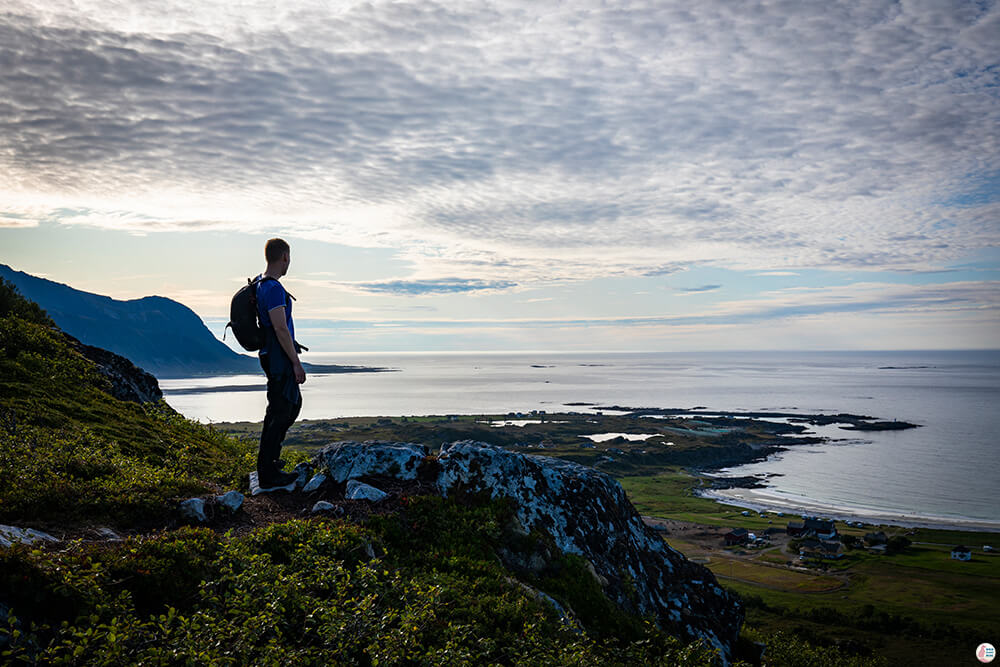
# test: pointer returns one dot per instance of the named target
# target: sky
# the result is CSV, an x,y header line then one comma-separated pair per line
x,y
463,176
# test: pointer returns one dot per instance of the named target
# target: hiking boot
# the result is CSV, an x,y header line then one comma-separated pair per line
x,y
276,480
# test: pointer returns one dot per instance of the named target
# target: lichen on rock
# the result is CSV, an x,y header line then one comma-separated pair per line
x,y
584,511
352,460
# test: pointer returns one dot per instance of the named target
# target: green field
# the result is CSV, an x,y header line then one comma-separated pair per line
x,y
916,607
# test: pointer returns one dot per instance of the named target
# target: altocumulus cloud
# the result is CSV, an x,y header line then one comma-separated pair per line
x,y
579,140
419,287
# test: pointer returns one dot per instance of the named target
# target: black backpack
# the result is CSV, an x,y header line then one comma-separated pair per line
x,y
243,317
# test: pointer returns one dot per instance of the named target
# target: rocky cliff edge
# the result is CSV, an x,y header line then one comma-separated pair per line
x,y
584,511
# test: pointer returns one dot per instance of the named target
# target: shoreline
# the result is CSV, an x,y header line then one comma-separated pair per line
x,y
759,500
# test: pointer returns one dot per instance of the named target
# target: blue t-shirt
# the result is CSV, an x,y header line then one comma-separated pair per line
x,y
271,295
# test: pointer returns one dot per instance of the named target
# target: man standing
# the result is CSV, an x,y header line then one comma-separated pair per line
x,y
280,360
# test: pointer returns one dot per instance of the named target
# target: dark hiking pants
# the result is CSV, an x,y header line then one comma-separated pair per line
x,y
284,400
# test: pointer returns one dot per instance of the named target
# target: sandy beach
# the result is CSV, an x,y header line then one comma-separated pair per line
x,y
767,500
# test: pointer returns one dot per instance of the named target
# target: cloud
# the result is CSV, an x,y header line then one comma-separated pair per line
x,y
697,290
13,221
516,141
973,300
423,287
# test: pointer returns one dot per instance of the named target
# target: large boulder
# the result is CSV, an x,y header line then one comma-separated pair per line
x,y
587,513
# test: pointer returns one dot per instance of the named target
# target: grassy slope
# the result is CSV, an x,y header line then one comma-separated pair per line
x,y
78,453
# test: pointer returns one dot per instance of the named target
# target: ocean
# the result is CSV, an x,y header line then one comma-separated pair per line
x,y
943,471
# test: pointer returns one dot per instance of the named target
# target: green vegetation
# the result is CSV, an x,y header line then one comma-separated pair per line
x,y
670,494
313,592
76,452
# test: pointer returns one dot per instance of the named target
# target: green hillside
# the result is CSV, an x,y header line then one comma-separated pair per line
x,y
78,453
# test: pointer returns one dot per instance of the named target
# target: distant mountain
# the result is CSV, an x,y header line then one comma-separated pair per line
x,y
157,334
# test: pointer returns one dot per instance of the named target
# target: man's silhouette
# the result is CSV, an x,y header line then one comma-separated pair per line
x,y
280,360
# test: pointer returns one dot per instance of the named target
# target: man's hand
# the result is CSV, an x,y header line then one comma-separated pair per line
x,y
300,373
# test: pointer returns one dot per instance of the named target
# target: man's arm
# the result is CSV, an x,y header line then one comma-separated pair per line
x,y
277,316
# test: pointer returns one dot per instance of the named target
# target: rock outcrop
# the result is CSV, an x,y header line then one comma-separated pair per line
x,y
584,511
128,381
12,534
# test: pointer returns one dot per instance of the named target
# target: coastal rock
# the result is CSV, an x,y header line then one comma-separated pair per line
x,y
314,483
351,460
193,509
232,501
588,514
323,506
12,534
360,491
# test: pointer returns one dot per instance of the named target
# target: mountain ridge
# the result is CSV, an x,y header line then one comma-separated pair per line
x,y
158,334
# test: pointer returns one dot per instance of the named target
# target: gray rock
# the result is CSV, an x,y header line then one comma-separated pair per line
x,y
12,534
231,500
351,460
314,483
106,533
127,381
193,509
587,513
304,471
360,491
323,506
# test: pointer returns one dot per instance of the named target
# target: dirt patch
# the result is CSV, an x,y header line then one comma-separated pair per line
x,y
256,512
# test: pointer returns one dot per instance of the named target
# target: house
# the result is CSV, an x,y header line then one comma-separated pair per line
x,y
737,536
821,549
795,528
824,530
872,539
832,549
961,553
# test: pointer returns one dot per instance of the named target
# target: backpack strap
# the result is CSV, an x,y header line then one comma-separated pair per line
x,y
257,281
